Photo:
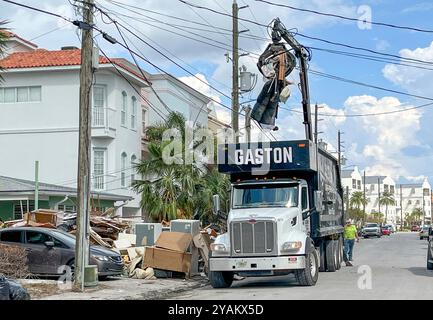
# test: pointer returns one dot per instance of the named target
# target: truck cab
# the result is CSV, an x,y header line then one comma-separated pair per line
x,y
273,225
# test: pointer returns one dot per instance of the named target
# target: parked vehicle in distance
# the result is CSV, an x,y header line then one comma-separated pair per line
x,y
50,249
429,250
386,230
392,227
414,228
423,232
371,230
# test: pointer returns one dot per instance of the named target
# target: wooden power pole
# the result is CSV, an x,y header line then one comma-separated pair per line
x,y
401,208
364,213
84,146
248,122
235,74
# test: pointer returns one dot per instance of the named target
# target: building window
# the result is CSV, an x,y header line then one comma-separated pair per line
x,y
20,94
99,169
359,184
353,183
98,106
123,169
23,207
409,202
133,164
124,108
372,187
67,209
392,189
133,112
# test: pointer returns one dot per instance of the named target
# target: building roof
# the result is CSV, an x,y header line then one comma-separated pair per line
x,y
42,58
409,185
10,185
373,179
10,35
346,173
183,85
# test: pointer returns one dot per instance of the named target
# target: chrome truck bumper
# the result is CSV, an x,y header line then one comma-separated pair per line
x,y
253,264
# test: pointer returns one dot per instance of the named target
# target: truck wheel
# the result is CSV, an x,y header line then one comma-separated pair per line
x,y
429,257
339,252
322,267
220,279
331,255
309,275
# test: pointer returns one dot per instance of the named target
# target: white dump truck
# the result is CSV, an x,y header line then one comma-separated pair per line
x,y
286,212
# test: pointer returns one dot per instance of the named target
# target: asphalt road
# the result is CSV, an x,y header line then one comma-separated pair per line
x,y
391,267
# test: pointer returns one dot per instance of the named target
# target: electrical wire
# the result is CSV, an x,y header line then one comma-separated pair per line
x,y
383,24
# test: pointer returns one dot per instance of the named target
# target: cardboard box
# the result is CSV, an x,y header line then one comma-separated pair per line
x,y
176,241
165,259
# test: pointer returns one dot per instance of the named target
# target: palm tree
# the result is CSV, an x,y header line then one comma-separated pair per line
x,y
357,199
180,189
387,199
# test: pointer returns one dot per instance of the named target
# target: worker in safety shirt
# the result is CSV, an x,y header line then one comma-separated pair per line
x,y
350,235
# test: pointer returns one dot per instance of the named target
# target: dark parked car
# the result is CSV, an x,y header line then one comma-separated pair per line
x,y
50,249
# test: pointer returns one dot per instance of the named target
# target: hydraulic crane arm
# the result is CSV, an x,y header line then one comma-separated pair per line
x,y
278,32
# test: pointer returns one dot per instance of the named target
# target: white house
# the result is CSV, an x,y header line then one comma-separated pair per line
x,y
380,184
39,105
413,196
351,181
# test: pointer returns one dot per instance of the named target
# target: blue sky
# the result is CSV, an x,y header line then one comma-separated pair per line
x,y
399,145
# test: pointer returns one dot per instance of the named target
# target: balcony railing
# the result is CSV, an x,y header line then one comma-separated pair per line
x,y
103,122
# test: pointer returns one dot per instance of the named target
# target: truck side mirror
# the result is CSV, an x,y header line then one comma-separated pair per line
x,y
216,204
318,200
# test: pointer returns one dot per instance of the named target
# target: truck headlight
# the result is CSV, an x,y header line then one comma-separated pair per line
x,y
218,247
291,246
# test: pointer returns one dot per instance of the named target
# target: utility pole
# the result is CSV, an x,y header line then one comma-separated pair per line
x,y
347,198
364,214
235,75
378,192
36,186
401,208
247,110
423,208
83,190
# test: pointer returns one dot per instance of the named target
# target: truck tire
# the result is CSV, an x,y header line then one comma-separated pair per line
x,y
322,267
429,257
220,279
331,255
339,253
309,275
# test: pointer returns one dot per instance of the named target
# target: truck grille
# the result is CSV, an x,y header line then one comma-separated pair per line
x,y
253,238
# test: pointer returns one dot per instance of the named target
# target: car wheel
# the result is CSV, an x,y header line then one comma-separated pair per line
x,y
309,275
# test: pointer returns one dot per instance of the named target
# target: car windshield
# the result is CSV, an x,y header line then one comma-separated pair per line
x,y
371,225
64,237
425,228
265,195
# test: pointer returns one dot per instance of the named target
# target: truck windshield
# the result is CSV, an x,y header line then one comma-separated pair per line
x,y
265,195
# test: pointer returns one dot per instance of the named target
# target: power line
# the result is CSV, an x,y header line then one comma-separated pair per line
x,y
338,78
345,17
38,10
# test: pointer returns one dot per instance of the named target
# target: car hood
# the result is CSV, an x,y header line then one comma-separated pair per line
x,y
102,251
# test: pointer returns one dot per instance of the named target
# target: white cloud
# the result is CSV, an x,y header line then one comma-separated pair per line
x,y
420,178
381,139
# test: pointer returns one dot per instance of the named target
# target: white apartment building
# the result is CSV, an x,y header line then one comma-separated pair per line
x,y
415,196
353,181
39,105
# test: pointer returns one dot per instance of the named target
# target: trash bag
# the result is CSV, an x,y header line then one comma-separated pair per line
x,y
4,288
17,291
